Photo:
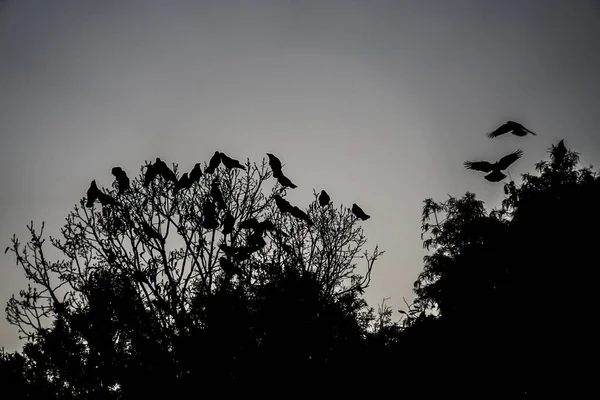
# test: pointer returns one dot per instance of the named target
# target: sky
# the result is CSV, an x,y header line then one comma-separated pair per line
x,y
378,102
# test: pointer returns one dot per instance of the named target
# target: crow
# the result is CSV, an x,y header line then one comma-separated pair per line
x,y
210,216
149,175
163,170
151,232
275,164
496,168
283,205
358,212
300,214
213,164
324,198
559,151
230,163
216,194
92,194
510,127
122,179
196,173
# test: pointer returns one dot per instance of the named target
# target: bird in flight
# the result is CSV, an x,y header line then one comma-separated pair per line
x,y
511,127
494,169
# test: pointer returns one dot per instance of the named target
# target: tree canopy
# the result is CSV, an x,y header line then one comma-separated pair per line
x,y
210,282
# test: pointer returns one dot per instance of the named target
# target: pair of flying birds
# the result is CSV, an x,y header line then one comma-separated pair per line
x,y
494,170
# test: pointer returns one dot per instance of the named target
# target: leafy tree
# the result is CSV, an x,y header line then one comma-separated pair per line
x,y
508,293
176,281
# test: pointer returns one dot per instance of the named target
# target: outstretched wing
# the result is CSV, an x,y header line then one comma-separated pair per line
x,y
482,166
509,159
505,128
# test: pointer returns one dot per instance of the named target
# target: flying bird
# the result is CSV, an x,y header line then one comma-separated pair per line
x,y
285,181
496,168
214,162
230,163
358,212
511,127
324,198
122,179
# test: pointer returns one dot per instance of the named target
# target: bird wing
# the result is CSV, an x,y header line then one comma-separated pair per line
x,y
509,159
505,128
482,166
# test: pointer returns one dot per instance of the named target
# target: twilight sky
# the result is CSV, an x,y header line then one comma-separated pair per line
x,y
378,102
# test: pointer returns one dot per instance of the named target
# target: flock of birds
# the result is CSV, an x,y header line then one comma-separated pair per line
x,y
494,170
216,201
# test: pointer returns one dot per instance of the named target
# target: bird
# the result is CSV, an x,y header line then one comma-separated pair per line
x,y
358,212
496,168
183,183
213,164
151,232
274,163
511,127
230,163
122,179
196,173
300,214
163,170
324,198
217,195
149,175
92,194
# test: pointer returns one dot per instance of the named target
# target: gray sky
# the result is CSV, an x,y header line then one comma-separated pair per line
x,y
379,102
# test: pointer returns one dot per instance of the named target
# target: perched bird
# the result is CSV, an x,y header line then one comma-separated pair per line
x,y
230,163
256,241
213,164
196,173
151,232
283,205
275,164
149,175
163,170
510,127
324,198
92,194
358,212
496,168
210,216
122,179
300,214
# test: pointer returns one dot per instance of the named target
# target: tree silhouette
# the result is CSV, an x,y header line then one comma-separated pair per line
x,y
158,291
496,291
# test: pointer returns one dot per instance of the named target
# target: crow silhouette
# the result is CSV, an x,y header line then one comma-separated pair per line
x,y
358,212
324,198
92,194
196,173
283,205
163,170
275,164
256,241
213,164
149,175
230,163
496,168
122,179
510,127
300,214
228,224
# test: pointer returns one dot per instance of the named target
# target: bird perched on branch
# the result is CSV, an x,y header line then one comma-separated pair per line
x,y
324,198
122,179
356,210
511,127
494,169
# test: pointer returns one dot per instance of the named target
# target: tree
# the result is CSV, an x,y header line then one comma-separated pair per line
x,y
510,291
176,279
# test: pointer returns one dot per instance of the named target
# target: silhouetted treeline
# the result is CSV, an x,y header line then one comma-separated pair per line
x,y
504,304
